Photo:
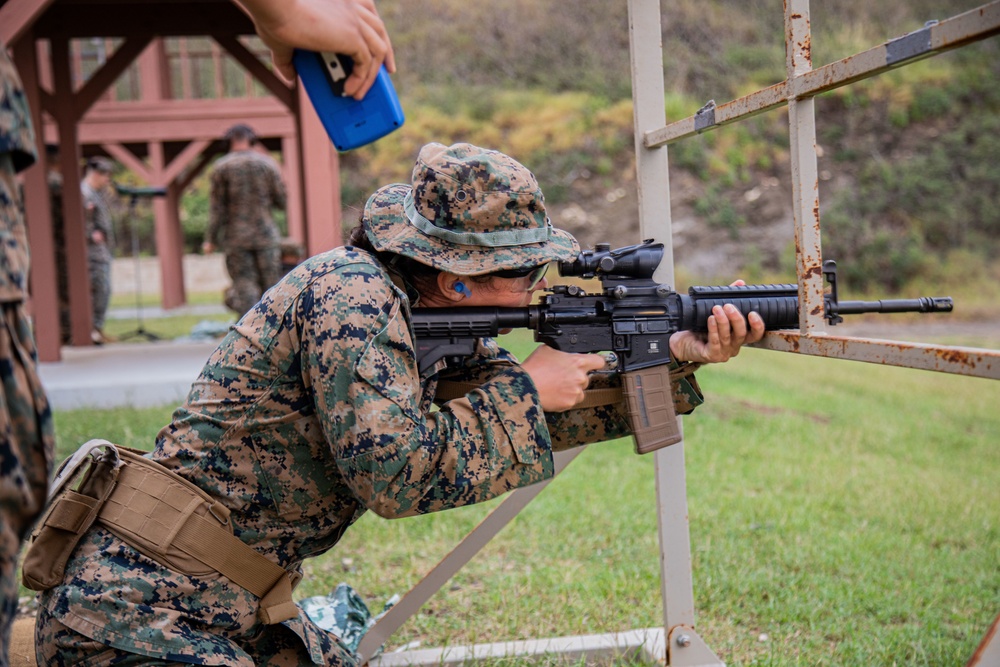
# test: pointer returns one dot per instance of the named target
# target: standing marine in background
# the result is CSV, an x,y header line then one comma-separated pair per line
x,y
100,239
26,433
246,185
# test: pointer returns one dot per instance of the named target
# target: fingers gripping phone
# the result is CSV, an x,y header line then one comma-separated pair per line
x,y
350,123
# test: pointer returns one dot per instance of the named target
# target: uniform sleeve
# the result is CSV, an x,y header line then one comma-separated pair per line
x,y
102,219
582,426
17,137
278,193
218,208
608,422
398,459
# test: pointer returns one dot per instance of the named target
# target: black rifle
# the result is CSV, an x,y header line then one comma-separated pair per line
x,y
633,317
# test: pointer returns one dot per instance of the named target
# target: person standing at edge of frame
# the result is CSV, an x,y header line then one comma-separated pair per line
x,y
27,439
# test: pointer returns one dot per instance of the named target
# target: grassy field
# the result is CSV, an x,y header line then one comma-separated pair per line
x,y
840,514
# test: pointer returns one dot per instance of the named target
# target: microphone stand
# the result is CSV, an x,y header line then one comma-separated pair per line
x,y
134,194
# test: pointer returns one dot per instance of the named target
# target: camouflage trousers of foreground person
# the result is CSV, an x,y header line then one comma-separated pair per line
x,y
253,272
26,451
274,646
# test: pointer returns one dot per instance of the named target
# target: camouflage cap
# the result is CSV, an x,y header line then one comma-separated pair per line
x,y
100,164
469,211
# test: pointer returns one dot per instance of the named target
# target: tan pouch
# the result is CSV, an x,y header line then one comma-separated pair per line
x,y
151,509
160,514
69,513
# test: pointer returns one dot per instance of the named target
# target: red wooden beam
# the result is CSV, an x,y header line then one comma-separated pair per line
x,y
16,16
190,153
38,216
124,56
81,314
99,18
127,158
260,71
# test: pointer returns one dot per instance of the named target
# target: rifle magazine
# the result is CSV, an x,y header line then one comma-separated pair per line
x,y
650,404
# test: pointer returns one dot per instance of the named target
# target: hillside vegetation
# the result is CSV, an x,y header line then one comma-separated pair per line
x,y
909,179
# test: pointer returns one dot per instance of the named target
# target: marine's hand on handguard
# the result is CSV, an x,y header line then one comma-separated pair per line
x,y
727,333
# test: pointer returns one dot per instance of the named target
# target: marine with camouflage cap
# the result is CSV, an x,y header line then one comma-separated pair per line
x,y
100,234
312,411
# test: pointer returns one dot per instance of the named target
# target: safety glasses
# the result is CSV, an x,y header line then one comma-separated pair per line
x,y
533,273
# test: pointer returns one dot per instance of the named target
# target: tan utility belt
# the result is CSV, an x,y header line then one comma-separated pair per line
x,y
162,515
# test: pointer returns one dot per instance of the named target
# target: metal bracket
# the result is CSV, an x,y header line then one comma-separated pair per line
x,y
686,649
705,117
909,46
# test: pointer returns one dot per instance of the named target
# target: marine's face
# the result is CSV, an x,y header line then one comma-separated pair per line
x,y
504,292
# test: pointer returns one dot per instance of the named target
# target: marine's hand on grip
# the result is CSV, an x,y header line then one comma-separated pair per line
x,y
561,378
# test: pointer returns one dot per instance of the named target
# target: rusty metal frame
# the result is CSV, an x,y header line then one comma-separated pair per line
x,y
677,643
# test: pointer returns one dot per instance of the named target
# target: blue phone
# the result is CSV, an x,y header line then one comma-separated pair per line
x,y
349,122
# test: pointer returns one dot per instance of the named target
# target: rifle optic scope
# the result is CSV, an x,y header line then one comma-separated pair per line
x,y
635,261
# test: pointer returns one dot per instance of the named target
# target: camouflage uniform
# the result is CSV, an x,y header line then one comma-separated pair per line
x,y
246,185
98,218
26,435
310,412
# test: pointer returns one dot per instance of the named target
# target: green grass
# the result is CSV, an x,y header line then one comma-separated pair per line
x,y
847,511
169,327
166,328
154,299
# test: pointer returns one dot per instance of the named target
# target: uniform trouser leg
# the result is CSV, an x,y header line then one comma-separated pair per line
x,y
268,267
26,452
274,646
100,290
253,272
60,646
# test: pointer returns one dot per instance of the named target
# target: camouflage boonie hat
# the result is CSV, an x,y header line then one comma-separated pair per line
x,y
470,211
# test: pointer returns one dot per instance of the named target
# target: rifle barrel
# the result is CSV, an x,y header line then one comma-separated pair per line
x,y
924,304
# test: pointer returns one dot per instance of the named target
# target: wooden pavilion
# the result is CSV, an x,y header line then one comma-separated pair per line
x,y
79,58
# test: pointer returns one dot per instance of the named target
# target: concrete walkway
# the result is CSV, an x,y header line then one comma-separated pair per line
x,y
138,374
124,374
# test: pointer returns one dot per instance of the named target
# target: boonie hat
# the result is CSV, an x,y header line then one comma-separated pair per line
x,y
469,211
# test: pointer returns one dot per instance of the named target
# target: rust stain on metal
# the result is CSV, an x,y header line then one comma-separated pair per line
x,y
988,638
813,271
957,357
806,47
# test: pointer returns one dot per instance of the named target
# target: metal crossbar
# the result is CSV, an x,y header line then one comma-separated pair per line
x,y
677,644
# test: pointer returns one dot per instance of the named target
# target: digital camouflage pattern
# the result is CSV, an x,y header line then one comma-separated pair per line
x,y
97,218
344,613
310,412
17,152
470,211
26,433
245,186
253,271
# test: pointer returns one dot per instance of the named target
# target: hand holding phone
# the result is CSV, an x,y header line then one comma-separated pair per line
x,y
350,123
